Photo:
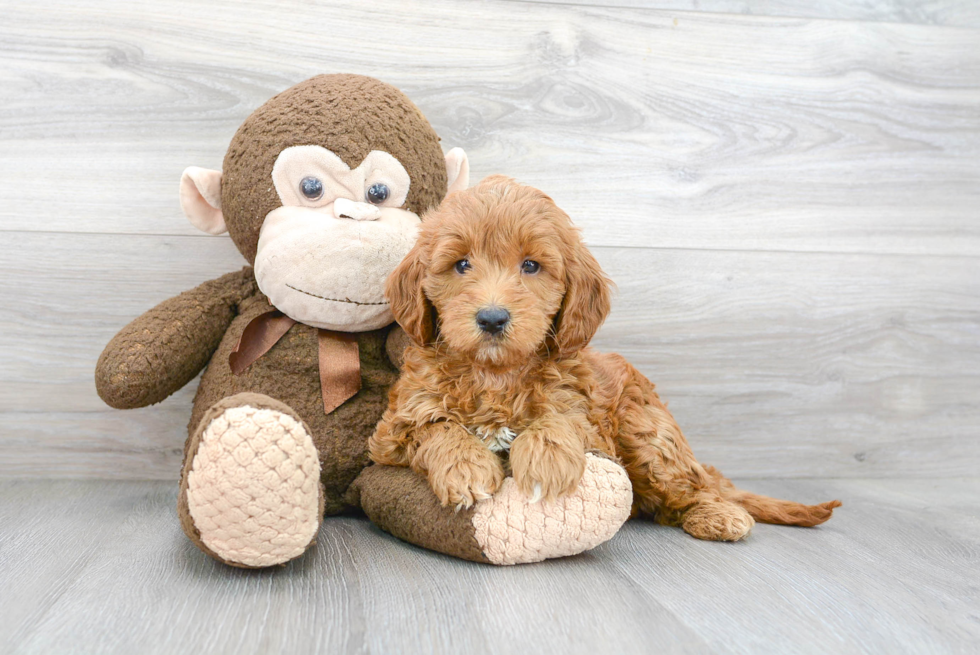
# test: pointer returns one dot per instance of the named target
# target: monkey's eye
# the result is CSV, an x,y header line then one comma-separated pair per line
x,y
377,193
311,187
462,266
530,266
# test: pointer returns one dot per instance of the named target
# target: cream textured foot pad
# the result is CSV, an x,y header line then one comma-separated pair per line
x,y
253,487
511,530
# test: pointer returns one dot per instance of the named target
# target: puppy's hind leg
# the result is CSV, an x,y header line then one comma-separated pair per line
x,y
668,481
671,484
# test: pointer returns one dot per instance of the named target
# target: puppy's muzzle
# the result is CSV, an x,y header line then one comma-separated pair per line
x,y
492,320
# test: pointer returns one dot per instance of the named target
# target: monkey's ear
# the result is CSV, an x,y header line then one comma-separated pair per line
x,y
200,198
410,307
457,170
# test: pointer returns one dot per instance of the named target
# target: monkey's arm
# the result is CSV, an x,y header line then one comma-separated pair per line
x,y
162,350
395,346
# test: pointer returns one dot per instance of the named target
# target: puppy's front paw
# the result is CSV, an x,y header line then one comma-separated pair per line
x,y
467,482
460,470
546,465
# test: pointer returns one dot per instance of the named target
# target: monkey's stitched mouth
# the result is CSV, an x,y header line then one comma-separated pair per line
x,y
346,300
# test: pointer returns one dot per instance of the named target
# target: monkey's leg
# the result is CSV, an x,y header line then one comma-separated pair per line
x,y
504,529
250,490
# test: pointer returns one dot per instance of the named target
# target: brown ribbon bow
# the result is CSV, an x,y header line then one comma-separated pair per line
x,y
339,357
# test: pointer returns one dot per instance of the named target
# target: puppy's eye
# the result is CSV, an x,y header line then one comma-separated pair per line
x,y
462,266
311,187
530,266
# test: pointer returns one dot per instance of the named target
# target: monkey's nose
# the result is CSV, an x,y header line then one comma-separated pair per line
x,y
492,320
359,211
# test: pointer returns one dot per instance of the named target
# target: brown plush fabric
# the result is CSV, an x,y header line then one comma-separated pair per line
x,y
289,372
162,350
398,341
348,114
400,502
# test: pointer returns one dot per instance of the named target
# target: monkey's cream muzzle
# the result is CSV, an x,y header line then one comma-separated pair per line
x,y
358,211
330,272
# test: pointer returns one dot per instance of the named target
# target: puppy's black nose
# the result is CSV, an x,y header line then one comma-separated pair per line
x,y
492,320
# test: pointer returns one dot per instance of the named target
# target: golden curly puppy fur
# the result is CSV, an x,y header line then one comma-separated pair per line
x,y
500,297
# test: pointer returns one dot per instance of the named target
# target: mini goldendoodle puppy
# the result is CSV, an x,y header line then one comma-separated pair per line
x,y
500,297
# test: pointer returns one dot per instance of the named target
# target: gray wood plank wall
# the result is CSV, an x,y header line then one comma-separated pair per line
x,y
787,194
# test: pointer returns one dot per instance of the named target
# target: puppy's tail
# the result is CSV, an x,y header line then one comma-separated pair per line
x,y
773,510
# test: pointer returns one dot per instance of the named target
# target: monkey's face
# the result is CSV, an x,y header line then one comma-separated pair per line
x,y
324,255
321,190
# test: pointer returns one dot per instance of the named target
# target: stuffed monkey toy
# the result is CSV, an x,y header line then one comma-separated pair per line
x,y
321,191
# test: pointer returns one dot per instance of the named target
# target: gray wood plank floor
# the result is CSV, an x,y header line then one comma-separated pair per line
x,y
102,567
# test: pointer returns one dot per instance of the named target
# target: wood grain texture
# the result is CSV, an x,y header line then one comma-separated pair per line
x,y
954,13
654,128
103,567
788,204
787,194
775,364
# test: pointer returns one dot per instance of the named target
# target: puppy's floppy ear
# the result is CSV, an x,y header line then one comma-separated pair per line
x,y
586,302
411,308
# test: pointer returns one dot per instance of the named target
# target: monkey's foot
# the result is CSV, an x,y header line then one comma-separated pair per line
x,y
513,530
506,528
250,492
